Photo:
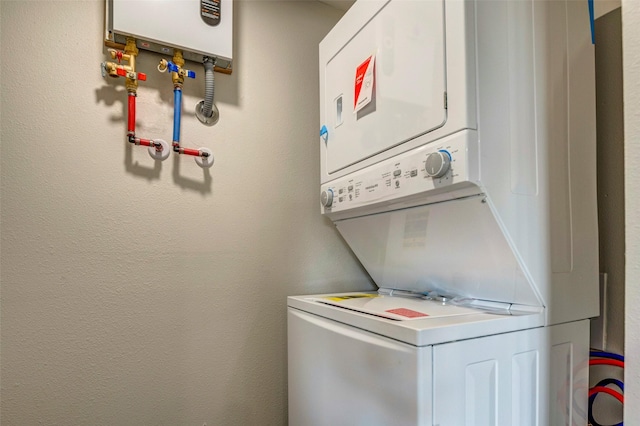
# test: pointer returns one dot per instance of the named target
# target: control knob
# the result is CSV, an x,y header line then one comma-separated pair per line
x,y
326,197
437,164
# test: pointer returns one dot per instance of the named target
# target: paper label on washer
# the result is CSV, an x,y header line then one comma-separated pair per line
x,y
350,296
364,83
409,313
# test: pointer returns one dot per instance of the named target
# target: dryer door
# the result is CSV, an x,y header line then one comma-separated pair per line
x,y
382,78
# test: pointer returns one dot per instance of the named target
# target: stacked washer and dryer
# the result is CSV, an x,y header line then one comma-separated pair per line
x,y
458,162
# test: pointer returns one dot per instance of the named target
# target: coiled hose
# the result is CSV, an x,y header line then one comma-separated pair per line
x,y
209,87
206,110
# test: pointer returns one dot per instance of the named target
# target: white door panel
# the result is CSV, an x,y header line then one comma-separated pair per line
x,y
406,41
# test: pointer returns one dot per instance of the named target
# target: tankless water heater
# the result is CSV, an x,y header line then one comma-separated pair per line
x,y
198,27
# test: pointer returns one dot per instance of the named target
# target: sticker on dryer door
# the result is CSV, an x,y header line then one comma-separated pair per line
x,y
409,313
364,83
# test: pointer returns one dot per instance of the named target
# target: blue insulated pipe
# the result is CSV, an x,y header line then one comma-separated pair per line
x,y
177,112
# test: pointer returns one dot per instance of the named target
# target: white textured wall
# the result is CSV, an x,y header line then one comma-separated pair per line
x,y
142,293
631,70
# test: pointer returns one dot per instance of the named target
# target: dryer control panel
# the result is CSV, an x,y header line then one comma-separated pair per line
x,y
434,172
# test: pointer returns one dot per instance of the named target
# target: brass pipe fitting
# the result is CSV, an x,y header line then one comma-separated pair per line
x,y
178,77
131,50
117,69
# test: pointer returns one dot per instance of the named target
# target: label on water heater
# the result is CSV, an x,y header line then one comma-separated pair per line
x,y
210,11
364,83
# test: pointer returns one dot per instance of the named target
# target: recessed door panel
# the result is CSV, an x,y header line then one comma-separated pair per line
x,y
341,375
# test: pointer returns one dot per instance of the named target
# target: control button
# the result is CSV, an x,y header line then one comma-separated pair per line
x,y
341,190
326,197
397,173
350,197
397,184
437,164
414,173
340,199
350,188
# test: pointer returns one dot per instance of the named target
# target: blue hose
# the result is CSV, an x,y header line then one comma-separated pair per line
x,y
604,354
177,112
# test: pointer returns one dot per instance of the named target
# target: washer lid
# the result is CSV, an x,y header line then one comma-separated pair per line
x,y
397,317
393,307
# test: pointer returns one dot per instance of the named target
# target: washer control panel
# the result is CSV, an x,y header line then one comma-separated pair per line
x,y
430,167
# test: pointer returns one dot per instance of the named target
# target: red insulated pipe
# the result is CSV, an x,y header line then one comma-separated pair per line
x,y
613,362
146,142
131,129
604,389
190,151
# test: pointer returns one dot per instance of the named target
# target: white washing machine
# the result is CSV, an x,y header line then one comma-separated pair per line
x,y
458,162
